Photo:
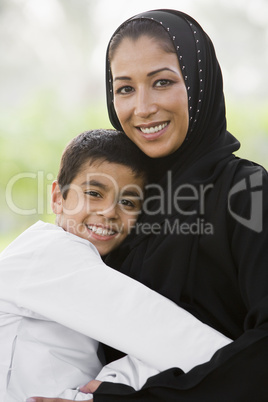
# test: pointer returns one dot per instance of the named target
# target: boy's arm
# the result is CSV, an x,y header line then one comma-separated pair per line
x,y
75,395
72,286
128,370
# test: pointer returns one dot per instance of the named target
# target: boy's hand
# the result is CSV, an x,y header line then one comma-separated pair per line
x,y
90,387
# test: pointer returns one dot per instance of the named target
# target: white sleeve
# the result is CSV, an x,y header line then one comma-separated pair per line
x,y
76,289
127,370
75,395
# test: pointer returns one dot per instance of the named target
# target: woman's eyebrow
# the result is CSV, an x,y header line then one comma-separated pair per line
x,y
125,78
121,78
160,70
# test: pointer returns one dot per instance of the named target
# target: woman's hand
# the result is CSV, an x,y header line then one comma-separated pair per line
x,y
89,388
41,399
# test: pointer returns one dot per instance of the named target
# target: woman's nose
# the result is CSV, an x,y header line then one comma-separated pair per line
x,y
145,104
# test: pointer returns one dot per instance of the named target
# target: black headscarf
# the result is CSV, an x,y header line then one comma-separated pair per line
x,y
203,80
220,277
208,145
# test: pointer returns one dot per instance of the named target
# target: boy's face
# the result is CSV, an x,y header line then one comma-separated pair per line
x,y
102,204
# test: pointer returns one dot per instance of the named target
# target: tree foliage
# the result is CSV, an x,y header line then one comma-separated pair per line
x,y
52,88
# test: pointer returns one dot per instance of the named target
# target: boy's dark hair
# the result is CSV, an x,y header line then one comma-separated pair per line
x,y
104,145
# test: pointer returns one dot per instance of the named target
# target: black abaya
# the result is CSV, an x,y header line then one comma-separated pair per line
x,y
207,252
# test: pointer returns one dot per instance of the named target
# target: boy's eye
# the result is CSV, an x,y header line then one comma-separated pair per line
x,y
163,83
124,90
93,193
127,203
130,205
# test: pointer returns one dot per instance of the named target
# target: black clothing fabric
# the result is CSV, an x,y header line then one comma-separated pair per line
x,y
204,244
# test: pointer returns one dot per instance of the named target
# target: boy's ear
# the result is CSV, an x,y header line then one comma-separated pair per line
x,y
56,198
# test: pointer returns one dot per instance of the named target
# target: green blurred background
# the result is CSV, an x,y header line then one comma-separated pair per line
x,y
52,56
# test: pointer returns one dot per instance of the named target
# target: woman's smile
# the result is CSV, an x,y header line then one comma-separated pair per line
x,y
150,97
153,131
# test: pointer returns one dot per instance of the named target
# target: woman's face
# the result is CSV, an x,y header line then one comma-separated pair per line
x,y
150,96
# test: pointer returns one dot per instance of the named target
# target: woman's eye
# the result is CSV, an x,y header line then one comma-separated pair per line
x,y
124,90
163,83
93,193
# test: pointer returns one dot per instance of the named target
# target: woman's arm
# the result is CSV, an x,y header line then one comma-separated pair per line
x,y
239,371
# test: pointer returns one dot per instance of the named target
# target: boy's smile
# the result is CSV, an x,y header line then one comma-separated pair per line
x,y
102,204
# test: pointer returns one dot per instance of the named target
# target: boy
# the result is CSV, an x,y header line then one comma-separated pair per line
x,y
96,198
58,298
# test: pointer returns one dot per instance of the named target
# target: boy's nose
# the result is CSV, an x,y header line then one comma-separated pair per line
x,y
109,211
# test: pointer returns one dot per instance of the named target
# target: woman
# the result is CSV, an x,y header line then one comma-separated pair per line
x,y
202,240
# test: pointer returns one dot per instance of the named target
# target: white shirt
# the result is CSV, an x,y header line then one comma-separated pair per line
x,y
57,295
